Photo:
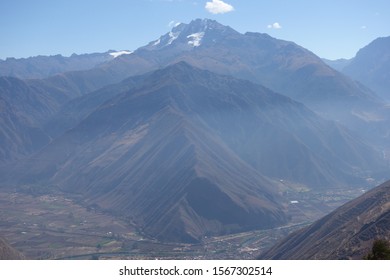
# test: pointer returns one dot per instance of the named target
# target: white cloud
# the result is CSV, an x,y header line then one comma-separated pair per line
x,y
218,7
363,27
275,25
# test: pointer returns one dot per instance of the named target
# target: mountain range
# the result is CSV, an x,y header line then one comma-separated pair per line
x,y
282,66
279,65
179,137
40,67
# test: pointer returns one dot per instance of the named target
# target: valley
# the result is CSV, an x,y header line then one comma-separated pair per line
x,y
52,226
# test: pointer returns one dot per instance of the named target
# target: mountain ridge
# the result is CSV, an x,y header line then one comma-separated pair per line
x,y
371,66
41,66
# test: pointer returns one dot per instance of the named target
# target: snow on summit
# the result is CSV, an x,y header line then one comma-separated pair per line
x,y
119,53
173,36
191,34
157,42
195,39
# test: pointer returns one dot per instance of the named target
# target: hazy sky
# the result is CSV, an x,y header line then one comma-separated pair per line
x,y
330,28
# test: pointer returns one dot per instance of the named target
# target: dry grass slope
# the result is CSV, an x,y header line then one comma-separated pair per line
x,y
7,252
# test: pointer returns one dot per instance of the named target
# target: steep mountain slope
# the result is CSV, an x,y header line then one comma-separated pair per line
x,y
17,137
25,107
346,233
77,109
183,154
7,252
33,101
40,67
371,66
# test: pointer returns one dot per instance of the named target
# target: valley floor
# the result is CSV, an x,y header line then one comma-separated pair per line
x,y
57,227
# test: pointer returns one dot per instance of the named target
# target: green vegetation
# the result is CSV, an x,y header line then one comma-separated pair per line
x,y
380,250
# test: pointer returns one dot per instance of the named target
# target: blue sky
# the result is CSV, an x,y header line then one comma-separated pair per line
x,y
330,28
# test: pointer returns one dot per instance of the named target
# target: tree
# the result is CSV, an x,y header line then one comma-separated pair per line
x,y
380,250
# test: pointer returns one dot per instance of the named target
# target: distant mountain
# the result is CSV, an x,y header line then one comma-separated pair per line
x,y
158,151
338,64
371,66
280,65
346,233
39,67
188,37
7,252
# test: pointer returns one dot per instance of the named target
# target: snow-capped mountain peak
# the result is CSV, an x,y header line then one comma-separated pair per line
x,y
192,35
168,38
